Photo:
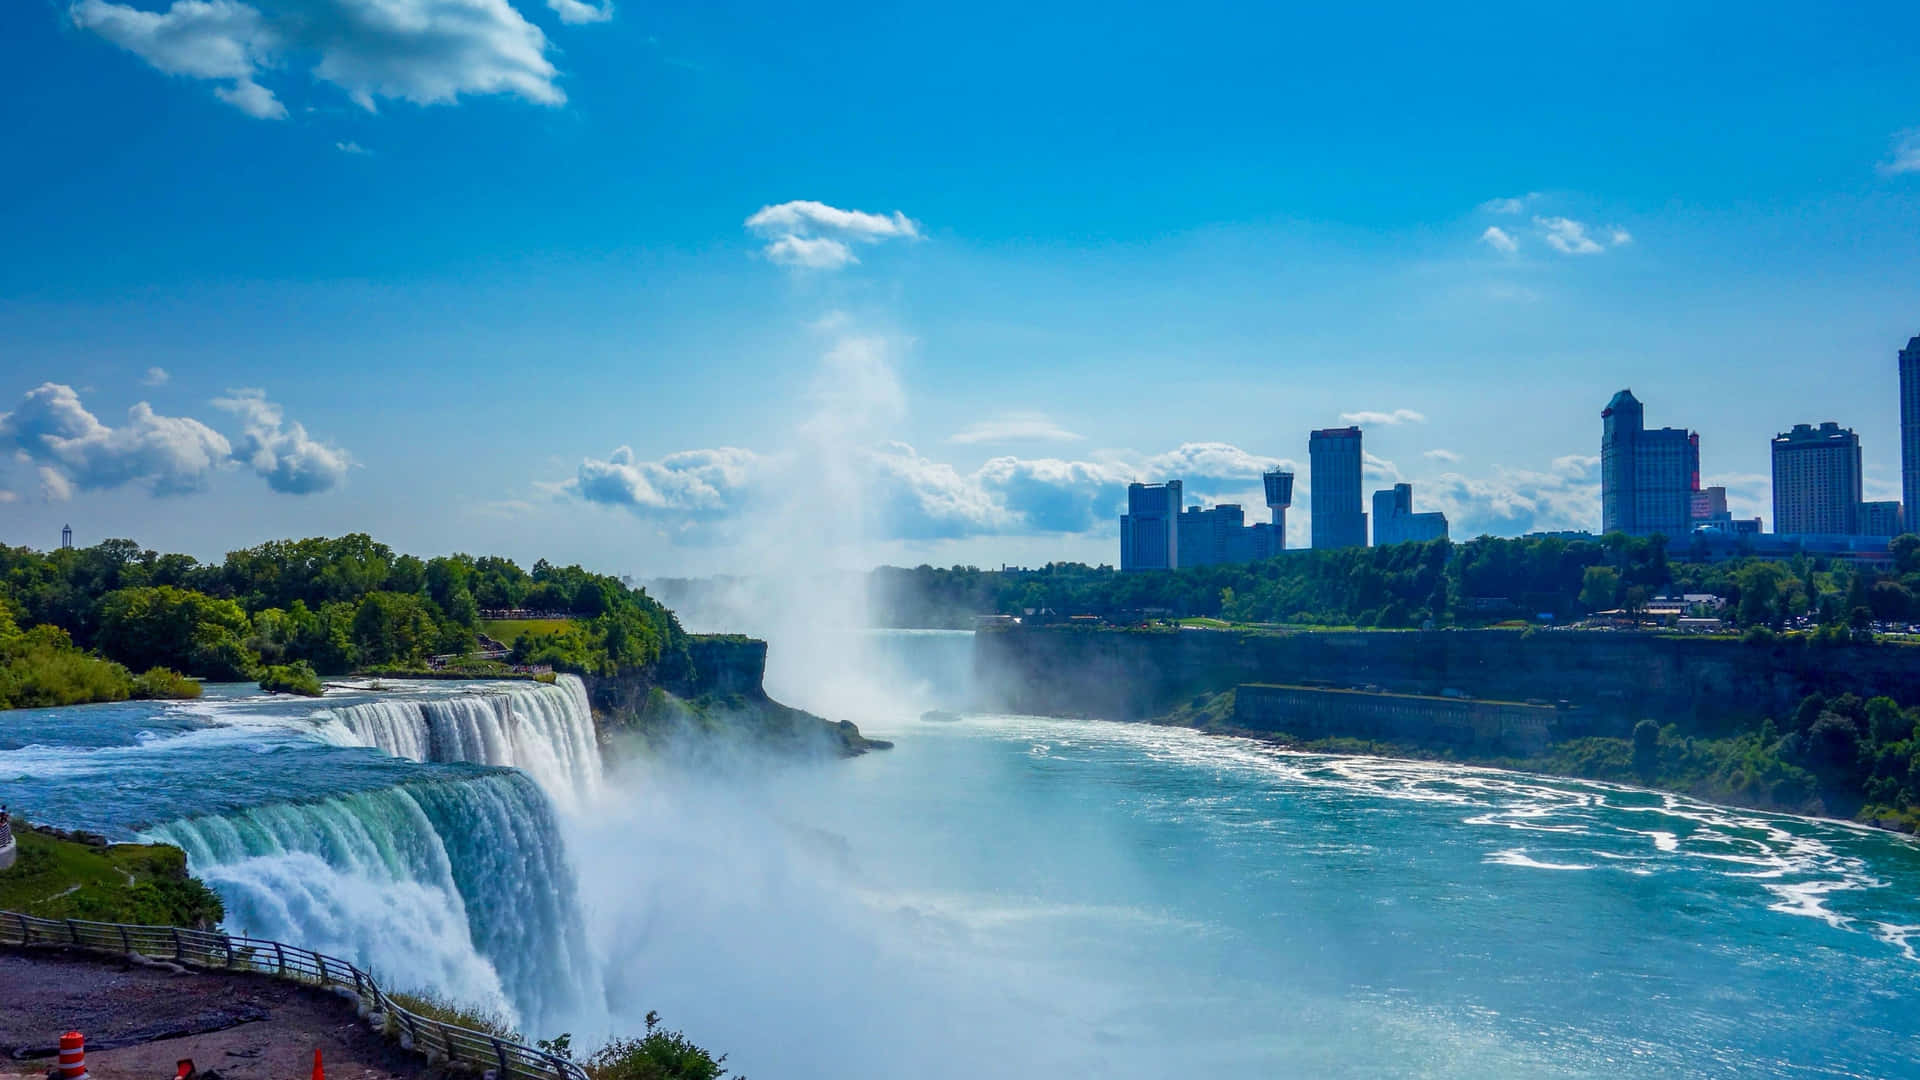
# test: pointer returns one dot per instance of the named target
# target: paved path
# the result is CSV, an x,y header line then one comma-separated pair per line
x,y
140,1020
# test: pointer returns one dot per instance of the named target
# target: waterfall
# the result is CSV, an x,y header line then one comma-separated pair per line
x,y
545,731
459,886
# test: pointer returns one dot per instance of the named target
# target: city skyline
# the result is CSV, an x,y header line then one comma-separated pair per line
x,y
604,296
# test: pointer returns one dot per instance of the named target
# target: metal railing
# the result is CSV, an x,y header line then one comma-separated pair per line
x,y
230,952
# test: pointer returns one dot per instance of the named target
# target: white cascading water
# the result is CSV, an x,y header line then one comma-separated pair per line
x,y
461,887
545,731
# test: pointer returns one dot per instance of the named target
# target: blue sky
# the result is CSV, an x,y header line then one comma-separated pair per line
x,y
479,274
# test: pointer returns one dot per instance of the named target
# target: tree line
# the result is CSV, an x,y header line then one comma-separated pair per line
x,y
1408,585
334,605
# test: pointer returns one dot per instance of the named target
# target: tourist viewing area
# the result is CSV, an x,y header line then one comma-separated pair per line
x,y
457,1047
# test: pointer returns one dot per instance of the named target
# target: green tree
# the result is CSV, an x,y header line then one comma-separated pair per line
x,y
1598,587
163,626
1646,749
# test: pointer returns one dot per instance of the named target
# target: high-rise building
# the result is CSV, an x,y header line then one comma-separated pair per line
x,y
1339,518
1150,529
1279,487
1880,518
1707,504
1221,535
1647,476
1910,432
1394,521
1816,480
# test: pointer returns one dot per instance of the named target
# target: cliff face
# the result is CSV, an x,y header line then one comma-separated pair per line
x,y
723,696
1613,679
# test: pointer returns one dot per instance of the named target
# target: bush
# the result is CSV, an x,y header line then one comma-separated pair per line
x,y
659,1055
165,683
295,678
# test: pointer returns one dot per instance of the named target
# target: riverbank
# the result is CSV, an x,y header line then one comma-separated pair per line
x,y
78,875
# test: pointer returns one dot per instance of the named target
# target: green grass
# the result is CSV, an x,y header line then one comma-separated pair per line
x,y
57,878
434,1007
507,631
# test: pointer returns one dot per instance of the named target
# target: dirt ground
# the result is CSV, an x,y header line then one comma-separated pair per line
x,y
140,1020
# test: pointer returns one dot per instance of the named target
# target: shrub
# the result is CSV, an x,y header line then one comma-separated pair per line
x,y
658,1055
294,678
162,682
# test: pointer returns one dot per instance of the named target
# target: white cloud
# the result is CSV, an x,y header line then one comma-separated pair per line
x,y
8,496
1510,502
1499,239
282,453
810,252
1906,154
1015,427
1379,469
351,148
1444,455
1513,205
812,235
575,12
423,51
1211,462
155,376
169,455
1397,416
697,483
1570,237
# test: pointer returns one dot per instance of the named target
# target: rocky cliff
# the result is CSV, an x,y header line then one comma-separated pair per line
x,y
1614,679
719,695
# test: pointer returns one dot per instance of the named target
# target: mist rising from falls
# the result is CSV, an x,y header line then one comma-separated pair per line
x,y
545,731
460,886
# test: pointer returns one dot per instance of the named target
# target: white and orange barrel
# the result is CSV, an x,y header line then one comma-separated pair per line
x,y
73,1056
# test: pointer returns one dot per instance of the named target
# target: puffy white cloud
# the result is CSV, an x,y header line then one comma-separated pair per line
x,y
1212,462
351,148
1499,239
201,39
1571,237
423,51
812,235
155,376
1397,416
283,454
169,455
810,252
1510,502
1015,427
8,496
575,12
1448,456
697,483
1906,154
1379,469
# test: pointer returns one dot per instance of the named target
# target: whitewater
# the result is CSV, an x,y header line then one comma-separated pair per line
x,y
1014,896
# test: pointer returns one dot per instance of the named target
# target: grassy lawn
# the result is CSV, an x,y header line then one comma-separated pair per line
x,y
137,883
508,631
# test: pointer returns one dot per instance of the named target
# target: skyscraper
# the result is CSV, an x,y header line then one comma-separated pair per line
x,y
1816,480
1150,529
1339,519
1394,521
1647,477
1909,435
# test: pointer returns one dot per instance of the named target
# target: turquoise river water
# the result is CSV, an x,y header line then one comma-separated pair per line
x,y
1014,896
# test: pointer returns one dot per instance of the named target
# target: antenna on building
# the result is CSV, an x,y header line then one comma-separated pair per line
x,y
66,538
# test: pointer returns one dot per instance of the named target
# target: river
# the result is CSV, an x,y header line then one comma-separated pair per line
x,y
1014,896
